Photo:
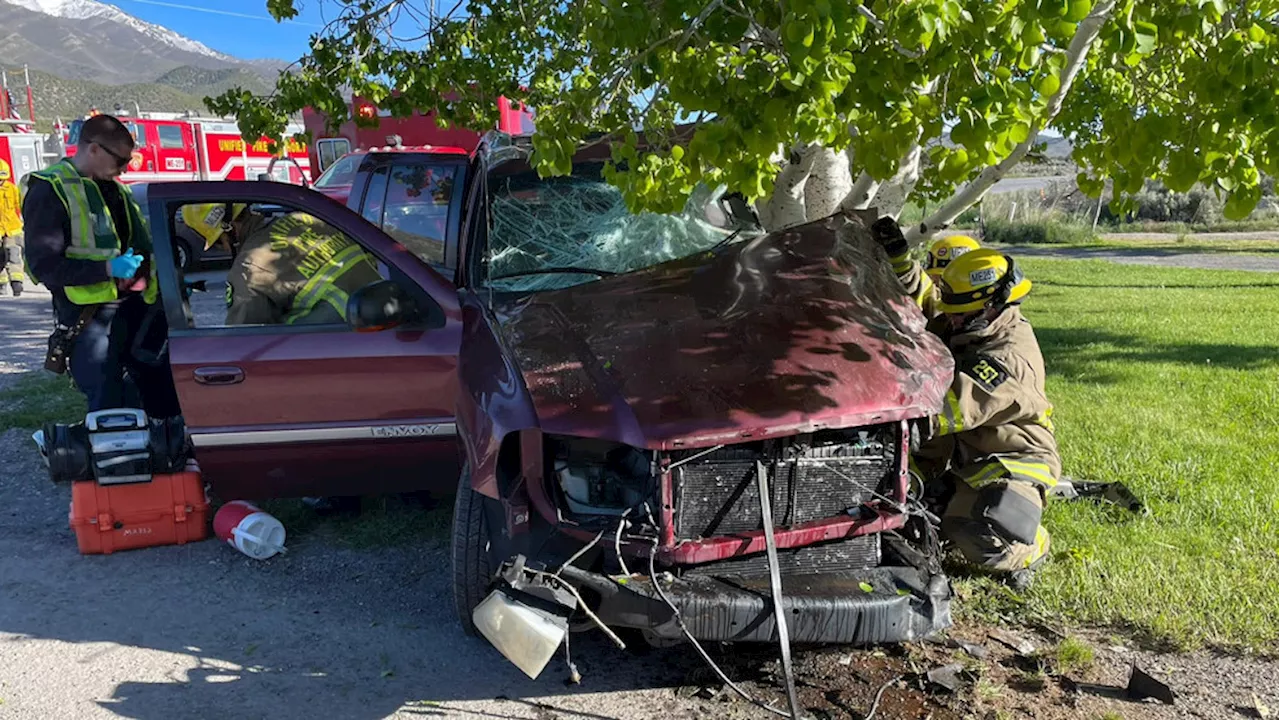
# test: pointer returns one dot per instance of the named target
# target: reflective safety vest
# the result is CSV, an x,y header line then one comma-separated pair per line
x,y
93,231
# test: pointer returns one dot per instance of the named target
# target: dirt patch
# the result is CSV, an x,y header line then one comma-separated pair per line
x,y
1006,684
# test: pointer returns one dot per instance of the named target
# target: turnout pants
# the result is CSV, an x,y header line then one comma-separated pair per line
x,y
993,518
11,256
997,526
105,361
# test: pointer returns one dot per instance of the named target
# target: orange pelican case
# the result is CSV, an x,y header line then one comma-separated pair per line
x,y
168,510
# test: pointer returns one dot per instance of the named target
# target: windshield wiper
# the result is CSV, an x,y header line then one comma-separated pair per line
x,y
557,271
726,240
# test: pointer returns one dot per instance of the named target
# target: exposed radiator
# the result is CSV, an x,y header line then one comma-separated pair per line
x,y
717,494
833,557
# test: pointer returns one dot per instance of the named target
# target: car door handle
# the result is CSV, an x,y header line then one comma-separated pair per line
x,y
222,375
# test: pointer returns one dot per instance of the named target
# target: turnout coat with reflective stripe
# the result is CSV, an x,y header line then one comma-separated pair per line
x,y
996,421
294,270
917,283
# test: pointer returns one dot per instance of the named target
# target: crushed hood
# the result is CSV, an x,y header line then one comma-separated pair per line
x,y
798,330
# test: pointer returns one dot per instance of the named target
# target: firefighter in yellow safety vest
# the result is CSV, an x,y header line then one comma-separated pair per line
x,y
293,269
88,242
10,232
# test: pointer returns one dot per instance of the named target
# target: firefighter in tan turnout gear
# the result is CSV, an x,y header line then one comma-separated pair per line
x,y
992,448
289,270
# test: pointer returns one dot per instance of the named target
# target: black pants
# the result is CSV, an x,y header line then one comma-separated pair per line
x,y
109,359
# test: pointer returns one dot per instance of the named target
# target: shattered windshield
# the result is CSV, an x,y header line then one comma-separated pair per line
x,y
552,233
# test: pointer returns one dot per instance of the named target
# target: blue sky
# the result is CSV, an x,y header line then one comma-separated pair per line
x,y
237,27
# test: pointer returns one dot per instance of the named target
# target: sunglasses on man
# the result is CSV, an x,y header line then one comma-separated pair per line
x,y
121,161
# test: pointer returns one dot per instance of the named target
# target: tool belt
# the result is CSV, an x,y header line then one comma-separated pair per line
x,y
62,339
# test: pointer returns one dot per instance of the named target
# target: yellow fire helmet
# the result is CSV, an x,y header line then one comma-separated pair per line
x,y
5,172
209,220
981,278
943,251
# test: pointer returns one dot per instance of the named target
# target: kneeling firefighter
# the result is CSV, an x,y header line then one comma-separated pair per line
x,y
293,269
992,456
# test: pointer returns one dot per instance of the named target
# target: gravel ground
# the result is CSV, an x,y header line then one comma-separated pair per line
x,y
25,324
210,307
1255,262
199,631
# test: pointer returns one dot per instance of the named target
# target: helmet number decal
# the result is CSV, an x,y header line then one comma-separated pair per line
x,y
986,371
985,276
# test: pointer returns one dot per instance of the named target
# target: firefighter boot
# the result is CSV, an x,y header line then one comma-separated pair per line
x,y
16,285
1034,556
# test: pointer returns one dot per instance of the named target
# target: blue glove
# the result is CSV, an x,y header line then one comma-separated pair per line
x,y
125,266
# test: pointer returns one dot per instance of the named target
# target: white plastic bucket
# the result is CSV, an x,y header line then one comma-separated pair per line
x,y
248,529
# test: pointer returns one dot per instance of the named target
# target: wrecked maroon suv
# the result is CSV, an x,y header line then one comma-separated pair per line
x,y
637,391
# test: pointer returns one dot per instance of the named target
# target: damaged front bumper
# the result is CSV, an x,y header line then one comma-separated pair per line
x,y
874,605
527,615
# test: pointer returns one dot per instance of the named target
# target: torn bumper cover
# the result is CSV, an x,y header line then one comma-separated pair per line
x,y
904,604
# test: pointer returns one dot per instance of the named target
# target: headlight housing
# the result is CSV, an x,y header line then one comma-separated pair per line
x,y
599,477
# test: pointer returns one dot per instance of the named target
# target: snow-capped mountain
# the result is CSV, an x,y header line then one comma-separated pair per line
x,y
86,9
92,40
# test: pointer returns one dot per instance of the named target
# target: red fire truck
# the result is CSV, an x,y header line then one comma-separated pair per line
x,y
181,146
21,150
416,131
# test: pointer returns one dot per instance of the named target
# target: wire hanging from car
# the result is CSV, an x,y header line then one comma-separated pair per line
x,y
581,604
875,703
911,506
581,551
653,576
693,457
617,542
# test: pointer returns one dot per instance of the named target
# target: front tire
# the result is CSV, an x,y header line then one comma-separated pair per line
x,y
472,568
182,251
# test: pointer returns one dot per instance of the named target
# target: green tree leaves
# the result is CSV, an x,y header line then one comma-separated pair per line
x,y
1179,90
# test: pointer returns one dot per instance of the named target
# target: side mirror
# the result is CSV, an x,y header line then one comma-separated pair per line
x,y
380,306
265,176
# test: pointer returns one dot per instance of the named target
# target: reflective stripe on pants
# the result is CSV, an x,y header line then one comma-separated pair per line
x,y
1032,471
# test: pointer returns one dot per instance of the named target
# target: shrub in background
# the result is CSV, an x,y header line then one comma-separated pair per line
x,y
1042,231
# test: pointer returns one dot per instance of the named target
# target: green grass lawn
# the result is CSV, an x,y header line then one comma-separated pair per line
x,y
1165,379
1171,236
36,398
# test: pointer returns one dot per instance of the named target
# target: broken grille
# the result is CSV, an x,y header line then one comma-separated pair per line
x,y
717,494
